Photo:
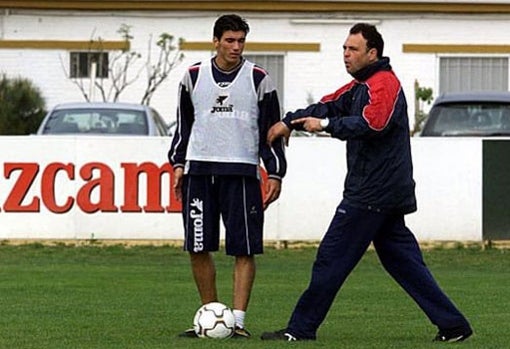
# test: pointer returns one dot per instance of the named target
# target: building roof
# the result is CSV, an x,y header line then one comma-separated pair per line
x,y
417,6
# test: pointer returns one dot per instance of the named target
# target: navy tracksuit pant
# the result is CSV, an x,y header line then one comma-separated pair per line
x,y
349,235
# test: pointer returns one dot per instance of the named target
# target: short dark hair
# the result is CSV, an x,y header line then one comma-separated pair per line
x,y
230,22
371,35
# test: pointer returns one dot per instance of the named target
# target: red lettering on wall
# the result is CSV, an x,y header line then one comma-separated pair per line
x,y
105,184
153,175
97,194
48,187
28,173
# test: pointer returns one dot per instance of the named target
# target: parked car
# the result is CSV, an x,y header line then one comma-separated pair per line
x,y
482,114
172,127
103,118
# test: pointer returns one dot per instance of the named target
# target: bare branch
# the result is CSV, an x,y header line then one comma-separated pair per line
x,y
169,57
121,63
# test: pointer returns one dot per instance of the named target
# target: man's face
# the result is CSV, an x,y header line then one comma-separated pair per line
x,y
229,48
356,54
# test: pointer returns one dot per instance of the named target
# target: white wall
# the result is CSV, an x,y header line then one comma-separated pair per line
x,y
447,171
307,73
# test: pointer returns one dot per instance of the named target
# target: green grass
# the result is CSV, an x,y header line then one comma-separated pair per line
x,y
142,297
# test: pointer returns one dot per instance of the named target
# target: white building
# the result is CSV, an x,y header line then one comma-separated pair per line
x,y
445,45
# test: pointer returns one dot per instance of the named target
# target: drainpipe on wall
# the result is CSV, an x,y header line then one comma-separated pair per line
x,y
93,69
5,13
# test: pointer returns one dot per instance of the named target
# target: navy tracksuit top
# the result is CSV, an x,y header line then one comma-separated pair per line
x,y
370,113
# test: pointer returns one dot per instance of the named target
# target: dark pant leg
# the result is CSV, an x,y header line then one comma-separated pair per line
x,y
343,245
241,208
400,255
200,214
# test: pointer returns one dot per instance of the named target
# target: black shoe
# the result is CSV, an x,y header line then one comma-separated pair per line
x,y
189,333
281,335
453,335
241,333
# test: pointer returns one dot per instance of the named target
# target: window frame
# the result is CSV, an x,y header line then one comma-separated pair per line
x,y
440,85
80,64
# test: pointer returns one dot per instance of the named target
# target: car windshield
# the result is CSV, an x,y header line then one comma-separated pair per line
x,y
469,119
111,121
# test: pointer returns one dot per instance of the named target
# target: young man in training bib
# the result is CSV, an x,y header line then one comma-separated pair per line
x,y
226,107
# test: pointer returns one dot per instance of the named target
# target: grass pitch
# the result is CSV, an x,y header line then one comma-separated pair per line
x,y
106,297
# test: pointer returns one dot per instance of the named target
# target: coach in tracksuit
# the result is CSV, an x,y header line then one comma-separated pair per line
x,y
370,113
226,107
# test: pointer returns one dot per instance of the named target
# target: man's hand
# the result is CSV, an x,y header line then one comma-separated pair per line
x,y
178,173
272,189
278,130
309,123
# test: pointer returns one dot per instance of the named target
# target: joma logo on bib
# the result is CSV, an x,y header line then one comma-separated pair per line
x,y
220,105
226,109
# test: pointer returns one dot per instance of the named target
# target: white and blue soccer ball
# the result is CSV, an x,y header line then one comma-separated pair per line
x,y
214,320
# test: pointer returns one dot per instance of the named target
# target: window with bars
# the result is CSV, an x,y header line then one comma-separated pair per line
x,y
81,64
459,74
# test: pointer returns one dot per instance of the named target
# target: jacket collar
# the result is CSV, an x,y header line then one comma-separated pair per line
x,y
365,73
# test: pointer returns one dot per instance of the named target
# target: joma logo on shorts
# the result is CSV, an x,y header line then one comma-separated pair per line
x,y
196,215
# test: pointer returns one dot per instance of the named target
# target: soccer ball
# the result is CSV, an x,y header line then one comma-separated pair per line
x,y
214,320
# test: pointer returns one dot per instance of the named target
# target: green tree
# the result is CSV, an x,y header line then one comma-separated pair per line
x,y
22,106
422,95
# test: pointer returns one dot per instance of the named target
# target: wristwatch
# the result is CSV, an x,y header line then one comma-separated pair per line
x,y
324,123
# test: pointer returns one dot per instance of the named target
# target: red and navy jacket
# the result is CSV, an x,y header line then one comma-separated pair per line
x,y
273,156
370,113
